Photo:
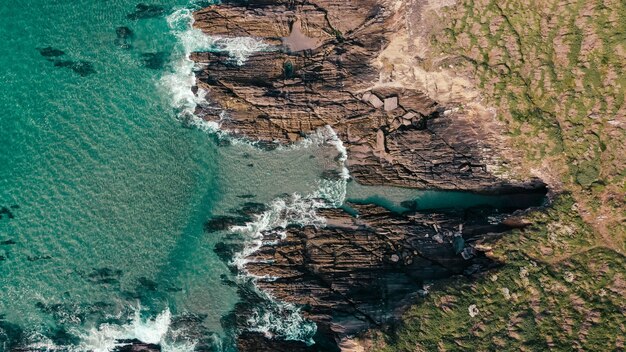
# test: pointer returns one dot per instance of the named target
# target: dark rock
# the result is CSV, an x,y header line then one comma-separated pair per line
x,y
135,345
83,68
50,52
223,222
252,208
124,33
7,242
144,11
226,281
148,284
11,335
61,337
246,196
227,250
411,205
6,211
332,175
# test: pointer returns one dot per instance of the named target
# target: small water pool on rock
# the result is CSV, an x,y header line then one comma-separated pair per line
x,y
398,199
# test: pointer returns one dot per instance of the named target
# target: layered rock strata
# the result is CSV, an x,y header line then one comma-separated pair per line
x,y
319,71
394,136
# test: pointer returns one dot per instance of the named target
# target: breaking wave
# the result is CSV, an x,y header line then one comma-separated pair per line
x,y
107,337
180,81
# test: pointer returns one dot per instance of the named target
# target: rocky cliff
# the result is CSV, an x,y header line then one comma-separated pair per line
x,y
320,70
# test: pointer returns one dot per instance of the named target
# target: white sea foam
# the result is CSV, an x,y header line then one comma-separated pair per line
x,y
181,79
283,321
105,337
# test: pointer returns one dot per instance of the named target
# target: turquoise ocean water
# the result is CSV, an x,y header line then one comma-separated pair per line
x,y
107,180
108,190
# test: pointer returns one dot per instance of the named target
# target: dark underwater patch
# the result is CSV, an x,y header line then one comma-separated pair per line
x,y
227,250
7,242
124,32
35,258
61,337
224,222
411,205
154,61
246,196
252,208
11,335
143,11
124,37
6,211
50,52
331,175
227,282
147,284
83,68
106,276
191,327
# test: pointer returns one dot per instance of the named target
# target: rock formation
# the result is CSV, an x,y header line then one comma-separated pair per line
x,y
319,71
394,136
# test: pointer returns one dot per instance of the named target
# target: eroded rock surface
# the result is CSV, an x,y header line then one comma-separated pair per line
x,y
323,69
394,136
357,272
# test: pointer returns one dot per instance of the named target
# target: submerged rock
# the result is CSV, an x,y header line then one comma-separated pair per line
x,y
83,68
124,36
104,276
50,52
154,61
6,211
223,222
124,32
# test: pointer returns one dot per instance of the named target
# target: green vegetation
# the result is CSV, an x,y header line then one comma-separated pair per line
x,y
556,72
556,291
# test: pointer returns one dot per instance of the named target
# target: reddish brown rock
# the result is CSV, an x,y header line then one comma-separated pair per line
x,y
280,96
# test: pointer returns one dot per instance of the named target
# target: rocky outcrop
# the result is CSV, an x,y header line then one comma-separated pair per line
x,y
358,272
319,71
394,136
